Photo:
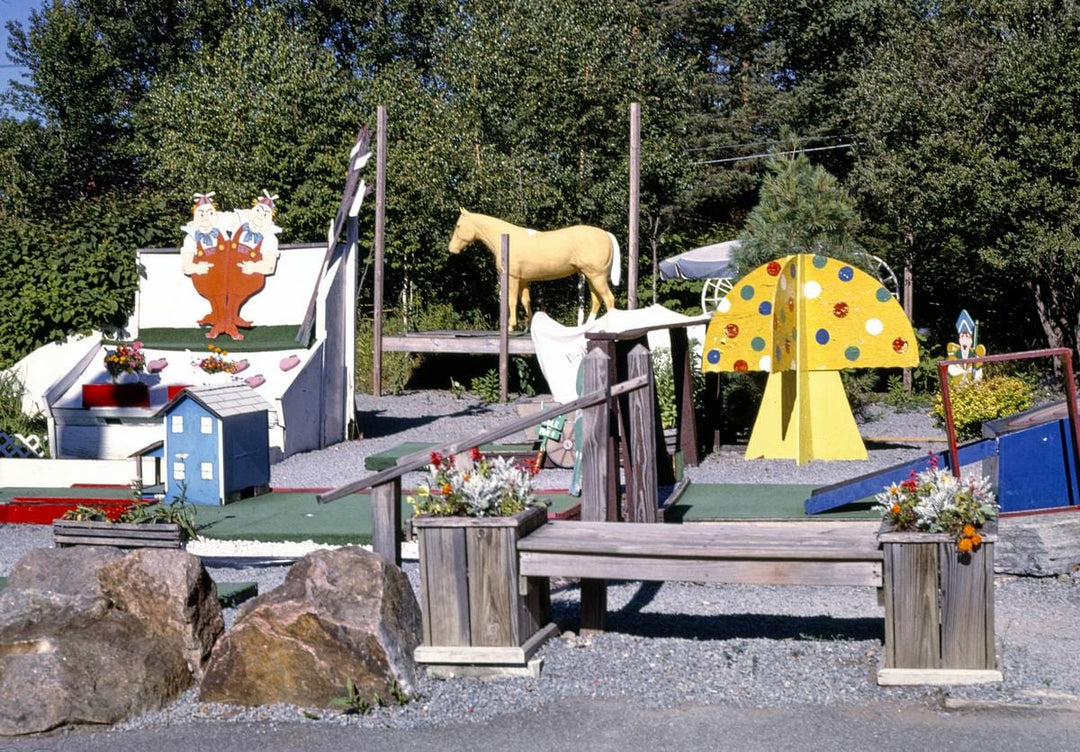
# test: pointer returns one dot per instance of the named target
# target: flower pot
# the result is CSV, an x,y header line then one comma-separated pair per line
x,y
939,609
119,534
115,395
475,612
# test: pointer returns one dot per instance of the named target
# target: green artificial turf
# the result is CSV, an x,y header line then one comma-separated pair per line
x,y
256,339
751,501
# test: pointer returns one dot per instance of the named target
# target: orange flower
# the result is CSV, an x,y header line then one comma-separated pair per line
x,y
968,531
976,540
446,488
895,509
964,544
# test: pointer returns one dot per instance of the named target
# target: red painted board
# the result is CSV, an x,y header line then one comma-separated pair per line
x,y
43,510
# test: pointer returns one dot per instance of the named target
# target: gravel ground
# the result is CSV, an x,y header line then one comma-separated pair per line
x,y
673,644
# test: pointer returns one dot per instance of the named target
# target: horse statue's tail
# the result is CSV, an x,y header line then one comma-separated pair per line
x,y
616,261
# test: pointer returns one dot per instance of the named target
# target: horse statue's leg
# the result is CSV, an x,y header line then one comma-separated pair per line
x,y
512,301
526,303
600,291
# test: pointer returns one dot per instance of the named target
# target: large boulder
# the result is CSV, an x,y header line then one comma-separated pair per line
x,y
75,659
339,615
70,571
170,592
79,644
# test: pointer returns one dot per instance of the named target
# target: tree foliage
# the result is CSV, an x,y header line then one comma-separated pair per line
x,y
801,209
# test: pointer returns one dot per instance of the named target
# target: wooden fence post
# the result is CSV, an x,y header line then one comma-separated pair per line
x,y
380,242
642,462
594,484
386,521
686,418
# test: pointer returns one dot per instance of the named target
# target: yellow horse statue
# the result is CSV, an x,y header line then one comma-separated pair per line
x,y
541,256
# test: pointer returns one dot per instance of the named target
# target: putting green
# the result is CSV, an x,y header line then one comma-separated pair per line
x,y
752,501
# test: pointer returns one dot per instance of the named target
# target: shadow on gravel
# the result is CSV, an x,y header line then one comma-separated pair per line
x,y
375,424
630,621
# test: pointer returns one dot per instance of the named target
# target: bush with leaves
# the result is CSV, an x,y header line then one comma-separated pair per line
x,y
975,403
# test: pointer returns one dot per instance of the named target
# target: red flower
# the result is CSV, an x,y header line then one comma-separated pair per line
x,y
899,345
436,459
475,454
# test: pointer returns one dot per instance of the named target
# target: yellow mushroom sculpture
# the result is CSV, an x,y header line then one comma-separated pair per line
x,y
801,319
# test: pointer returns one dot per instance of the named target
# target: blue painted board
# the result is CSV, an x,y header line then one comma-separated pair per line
x,y
1035,468
187,448
837,495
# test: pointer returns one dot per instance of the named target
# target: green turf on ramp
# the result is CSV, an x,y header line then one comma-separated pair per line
x,y
752,501
256,339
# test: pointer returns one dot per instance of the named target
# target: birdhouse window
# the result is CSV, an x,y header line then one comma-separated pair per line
x,y
207,470
206,424
178,472
178,424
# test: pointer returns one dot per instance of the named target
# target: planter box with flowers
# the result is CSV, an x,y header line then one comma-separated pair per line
x,y
938,537
124,365
475,611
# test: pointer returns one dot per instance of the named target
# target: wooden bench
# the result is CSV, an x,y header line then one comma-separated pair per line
x,y
119,534
754,553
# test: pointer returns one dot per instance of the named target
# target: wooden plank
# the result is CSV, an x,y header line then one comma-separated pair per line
x,y
124,542
791,540
445,588
738,571
492,578
487,655
529,520
642,494
386,521
908,677
596,466
436,342
913,573
964,608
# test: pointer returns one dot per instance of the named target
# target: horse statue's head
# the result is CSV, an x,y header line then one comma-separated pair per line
x,y
464,233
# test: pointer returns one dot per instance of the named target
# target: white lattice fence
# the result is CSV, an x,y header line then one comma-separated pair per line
x,y
17,446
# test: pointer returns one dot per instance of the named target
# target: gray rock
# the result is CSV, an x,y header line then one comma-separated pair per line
x,y
74,659
172,594
1038,545
71,571
339,615
91,636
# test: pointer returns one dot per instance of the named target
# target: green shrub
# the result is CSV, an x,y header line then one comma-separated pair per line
x,y
665,385
12,418
974,404
397,367
486,387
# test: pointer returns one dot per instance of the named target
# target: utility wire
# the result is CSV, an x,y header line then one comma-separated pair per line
x,y
773,154
718,147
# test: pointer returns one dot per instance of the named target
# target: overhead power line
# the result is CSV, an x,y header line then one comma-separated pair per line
x,y
773,154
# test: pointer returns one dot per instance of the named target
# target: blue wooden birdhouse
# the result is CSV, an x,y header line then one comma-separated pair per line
x,y
217,446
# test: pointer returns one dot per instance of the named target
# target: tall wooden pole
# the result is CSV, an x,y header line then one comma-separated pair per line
x,y
380,238
909,305
504,319
635,205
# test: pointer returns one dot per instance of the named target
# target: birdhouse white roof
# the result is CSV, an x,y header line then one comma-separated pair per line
x,y
223,400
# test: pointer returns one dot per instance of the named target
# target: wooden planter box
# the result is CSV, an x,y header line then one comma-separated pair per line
x,y
939,609
115,395
475,611
119,534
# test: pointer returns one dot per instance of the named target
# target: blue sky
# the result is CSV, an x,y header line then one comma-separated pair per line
x,y
12,10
